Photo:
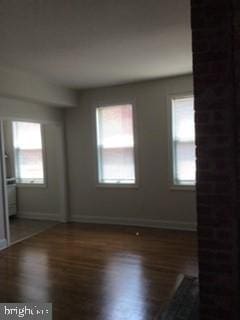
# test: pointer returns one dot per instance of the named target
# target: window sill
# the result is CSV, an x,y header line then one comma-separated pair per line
x,y
183,188
32,185
117,186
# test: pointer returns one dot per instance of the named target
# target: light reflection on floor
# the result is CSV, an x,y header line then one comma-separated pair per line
x,y
124,290
34,274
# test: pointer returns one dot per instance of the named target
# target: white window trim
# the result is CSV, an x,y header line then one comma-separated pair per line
x,y
135,153
44,158
171,163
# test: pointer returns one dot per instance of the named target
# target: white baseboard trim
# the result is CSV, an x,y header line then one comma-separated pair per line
x,y
39,216
161,224
3,244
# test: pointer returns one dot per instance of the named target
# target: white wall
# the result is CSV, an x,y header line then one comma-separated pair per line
x,y
39,202
23,110
3,234
27,97
153,203
21,85
34,201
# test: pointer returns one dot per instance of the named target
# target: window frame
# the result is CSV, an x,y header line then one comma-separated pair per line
x,y
172,158
106,185
44,157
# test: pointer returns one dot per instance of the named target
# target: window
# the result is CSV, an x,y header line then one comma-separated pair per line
x,y
115,143
183,140
28,151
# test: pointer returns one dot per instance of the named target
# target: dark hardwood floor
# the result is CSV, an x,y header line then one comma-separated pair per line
x,y
98,272
24,228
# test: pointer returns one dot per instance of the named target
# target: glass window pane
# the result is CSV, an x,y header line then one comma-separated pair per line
x,y
115,144
28,152
117,165
183,119
183,134
185,164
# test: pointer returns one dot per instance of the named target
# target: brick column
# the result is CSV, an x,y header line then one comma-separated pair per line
x,y
216,61
236,39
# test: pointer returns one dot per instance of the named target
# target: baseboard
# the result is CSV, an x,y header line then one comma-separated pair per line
x,y
39,216
161,224
3,244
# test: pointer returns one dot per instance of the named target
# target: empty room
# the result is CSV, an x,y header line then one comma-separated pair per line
x,y
119,159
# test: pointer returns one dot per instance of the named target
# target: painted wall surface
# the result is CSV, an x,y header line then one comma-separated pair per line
x,y
26,110
2,220
29,98
44,200
153,202
33,199
21,85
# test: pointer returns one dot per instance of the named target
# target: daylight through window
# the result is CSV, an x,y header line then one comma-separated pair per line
x,y
115,143
28,152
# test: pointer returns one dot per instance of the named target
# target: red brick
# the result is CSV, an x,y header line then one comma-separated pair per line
x,y
216,65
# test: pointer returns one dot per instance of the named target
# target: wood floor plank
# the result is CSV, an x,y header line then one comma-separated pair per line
x,y
98,272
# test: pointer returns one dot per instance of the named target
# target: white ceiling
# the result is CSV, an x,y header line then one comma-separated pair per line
x,y
89,43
